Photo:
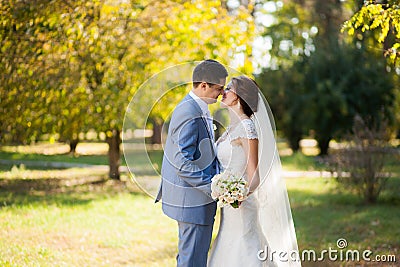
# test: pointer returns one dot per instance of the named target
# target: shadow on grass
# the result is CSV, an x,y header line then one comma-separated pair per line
x,y
8,167
78,191
85,159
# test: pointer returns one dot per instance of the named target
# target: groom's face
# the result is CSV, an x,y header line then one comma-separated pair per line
x,y
213,91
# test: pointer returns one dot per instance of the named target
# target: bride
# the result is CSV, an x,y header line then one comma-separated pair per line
x,y
260,232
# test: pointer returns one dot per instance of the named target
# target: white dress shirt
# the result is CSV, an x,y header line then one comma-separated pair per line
x,y
204,108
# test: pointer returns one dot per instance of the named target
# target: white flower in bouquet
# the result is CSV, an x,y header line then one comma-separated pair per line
x,y
229,189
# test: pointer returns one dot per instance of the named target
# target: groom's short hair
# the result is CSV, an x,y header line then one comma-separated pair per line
x,y
209,71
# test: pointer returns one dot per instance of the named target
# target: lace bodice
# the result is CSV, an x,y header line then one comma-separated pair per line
x,y
232,156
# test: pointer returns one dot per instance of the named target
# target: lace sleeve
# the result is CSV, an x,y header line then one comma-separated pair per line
x,y
246,129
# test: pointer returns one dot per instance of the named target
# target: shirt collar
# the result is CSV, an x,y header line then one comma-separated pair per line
x,y
203,105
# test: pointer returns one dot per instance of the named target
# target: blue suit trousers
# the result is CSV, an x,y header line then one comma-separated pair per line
x,y
194,242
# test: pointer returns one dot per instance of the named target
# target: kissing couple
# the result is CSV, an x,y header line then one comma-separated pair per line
x,y
259,230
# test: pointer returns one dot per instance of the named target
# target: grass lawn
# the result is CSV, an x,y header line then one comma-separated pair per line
x,y
110,223
77,217
94,224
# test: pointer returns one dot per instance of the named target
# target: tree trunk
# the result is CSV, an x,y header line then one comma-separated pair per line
x,y
72,145
294,142
323,144
370,198
370,193
114,142
157,131
293,136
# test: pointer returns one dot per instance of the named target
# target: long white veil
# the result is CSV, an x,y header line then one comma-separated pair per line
x,y
274,208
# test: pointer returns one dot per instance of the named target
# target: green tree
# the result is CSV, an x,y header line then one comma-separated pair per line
x,y
71,66
298,28
284,92
353,82
226,33
318,85
382,17
28,77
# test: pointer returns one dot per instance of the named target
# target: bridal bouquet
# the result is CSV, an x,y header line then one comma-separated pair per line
x,y
229,189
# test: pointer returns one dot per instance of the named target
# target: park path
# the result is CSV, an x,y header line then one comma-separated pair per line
x,y
124,169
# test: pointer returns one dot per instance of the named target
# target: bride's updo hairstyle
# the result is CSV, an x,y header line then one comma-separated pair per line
x,y
247,91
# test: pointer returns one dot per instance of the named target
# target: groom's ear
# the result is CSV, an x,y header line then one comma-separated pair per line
x,y
203,85
199,85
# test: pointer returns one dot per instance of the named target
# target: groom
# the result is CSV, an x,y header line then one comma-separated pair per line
x,y
190,162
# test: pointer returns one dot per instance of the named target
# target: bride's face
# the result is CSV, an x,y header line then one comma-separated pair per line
x,y
229,97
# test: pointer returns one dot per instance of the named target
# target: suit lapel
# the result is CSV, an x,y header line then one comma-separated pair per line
x,y
200,113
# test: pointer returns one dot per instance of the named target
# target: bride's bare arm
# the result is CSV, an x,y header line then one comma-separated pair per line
x,y
250,147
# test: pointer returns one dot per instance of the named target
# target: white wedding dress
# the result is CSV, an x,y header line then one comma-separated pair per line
x,y
240,236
